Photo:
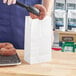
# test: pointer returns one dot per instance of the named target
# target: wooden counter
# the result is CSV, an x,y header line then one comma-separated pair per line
x,y
62,64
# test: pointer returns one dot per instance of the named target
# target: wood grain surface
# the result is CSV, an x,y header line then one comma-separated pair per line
x,y
62,64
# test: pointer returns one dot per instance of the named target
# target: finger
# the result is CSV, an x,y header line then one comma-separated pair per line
x,y
10,2
42,11
42,15
14,2
40,7
4,1
33,16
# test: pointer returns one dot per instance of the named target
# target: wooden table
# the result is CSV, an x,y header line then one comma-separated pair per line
x,y
62,64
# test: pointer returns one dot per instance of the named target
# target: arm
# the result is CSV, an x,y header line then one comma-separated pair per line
x,y
48,4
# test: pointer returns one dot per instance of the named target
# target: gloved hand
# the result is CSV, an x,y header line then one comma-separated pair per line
x,y
9,2
42,12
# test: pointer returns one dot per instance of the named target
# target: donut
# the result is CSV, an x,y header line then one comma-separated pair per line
x,y
7,49
6,45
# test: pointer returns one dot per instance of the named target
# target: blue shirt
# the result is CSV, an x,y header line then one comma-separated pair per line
x,y
12,22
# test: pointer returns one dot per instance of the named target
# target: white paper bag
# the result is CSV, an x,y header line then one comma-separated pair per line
x,y
38,40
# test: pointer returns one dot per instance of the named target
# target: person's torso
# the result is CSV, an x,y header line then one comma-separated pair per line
x,y
12,21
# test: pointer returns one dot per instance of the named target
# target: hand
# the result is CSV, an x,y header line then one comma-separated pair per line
x,y
9,2
42,12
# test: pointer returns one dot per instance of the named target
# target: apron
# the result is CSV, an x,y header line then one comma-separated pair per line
x,y
12,22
